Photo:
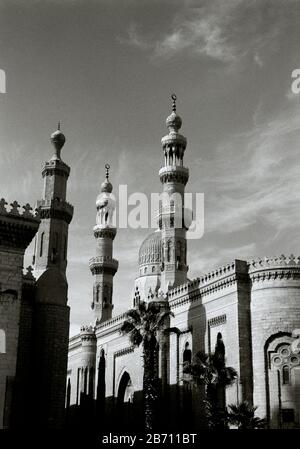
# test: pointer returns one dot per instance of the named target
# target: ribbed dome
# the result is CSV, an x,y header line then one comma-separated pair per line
x,y
174,122
150,250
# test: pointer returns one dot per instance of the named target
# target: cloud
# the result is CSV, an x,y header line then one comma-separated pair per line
x,y
256,177
222,31
212,257
134,38
202,36
258,60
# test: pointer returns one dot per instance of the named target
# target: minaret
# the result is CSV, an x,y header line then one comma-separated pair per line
x,y
174,177
51,310
56,214
103,266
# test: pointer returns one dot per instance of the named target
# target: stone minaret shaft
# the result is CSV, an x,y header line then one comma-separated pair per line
x,y
51,311
103,266
56,214
174,177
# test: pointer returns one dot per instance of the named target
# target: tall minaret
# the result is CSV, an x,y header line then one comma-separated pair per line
x,y
103,266
56,214
174,177
51,311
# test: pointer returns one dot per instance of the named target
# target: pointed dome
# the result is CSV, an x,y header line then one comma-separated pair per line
x,y
58,140
173,121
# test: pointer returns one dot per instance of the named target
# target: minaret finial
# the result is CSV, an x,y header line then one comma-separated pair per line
x,y
107,166
106,186
174,98
58,140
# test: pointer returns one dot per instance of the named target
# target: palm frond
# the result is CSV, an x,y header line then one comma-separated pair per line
x,y
243,415
134,315
135,337
127,327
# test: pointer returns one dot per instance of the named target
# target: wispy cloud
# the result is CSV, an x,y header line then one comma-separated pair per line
x,y
256,177
223,31
212,257
200,35
134,38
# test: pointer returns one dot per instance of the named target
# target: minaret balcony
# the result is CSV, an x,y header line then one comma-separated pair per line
x,y
105,231
56,208
174,173
56,167
100,264
174,139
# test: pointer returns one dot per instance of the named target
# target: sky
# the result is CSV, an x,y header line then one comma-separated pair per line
x,y
106,70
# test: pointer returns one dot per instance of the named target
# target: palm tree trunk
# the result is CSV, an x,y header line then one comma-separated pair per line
x,y
150,384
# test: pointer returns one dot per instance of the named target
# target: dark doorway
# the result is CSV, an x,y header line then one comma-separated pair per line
x,y
125,402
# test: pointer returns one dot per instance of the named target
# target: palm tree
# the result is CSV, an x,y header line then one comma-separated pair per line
x,y
143,325
243,416
210,370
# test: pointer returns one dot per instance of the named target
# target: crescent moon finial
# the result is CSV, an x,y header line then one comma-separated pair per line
x,y
107,166
174,98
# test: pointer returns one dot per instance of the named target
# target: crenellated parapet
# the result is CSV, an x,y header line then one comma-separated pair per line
x,y
28,276
275,268
87,333
223,277
17,228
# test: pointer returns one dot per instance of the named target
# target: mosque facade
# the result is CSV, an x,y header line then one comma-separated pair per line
x,y
253,304
96,376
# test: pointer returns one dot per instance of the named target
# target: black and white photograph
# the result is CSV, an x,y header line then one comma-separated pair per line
x,y
149,219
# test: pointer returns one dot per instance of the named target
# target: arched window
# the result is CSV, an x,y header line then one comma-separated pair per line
x,y
285,375
65,247
42,244
68,393
178,251
187,353
91,382
85,380
2,342
168,251
101,377
55,243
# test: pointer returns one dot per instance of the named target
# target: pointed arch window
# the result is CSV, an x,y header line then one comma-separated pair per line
x,y
65,247
285,375
42,244
187,353
178,251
